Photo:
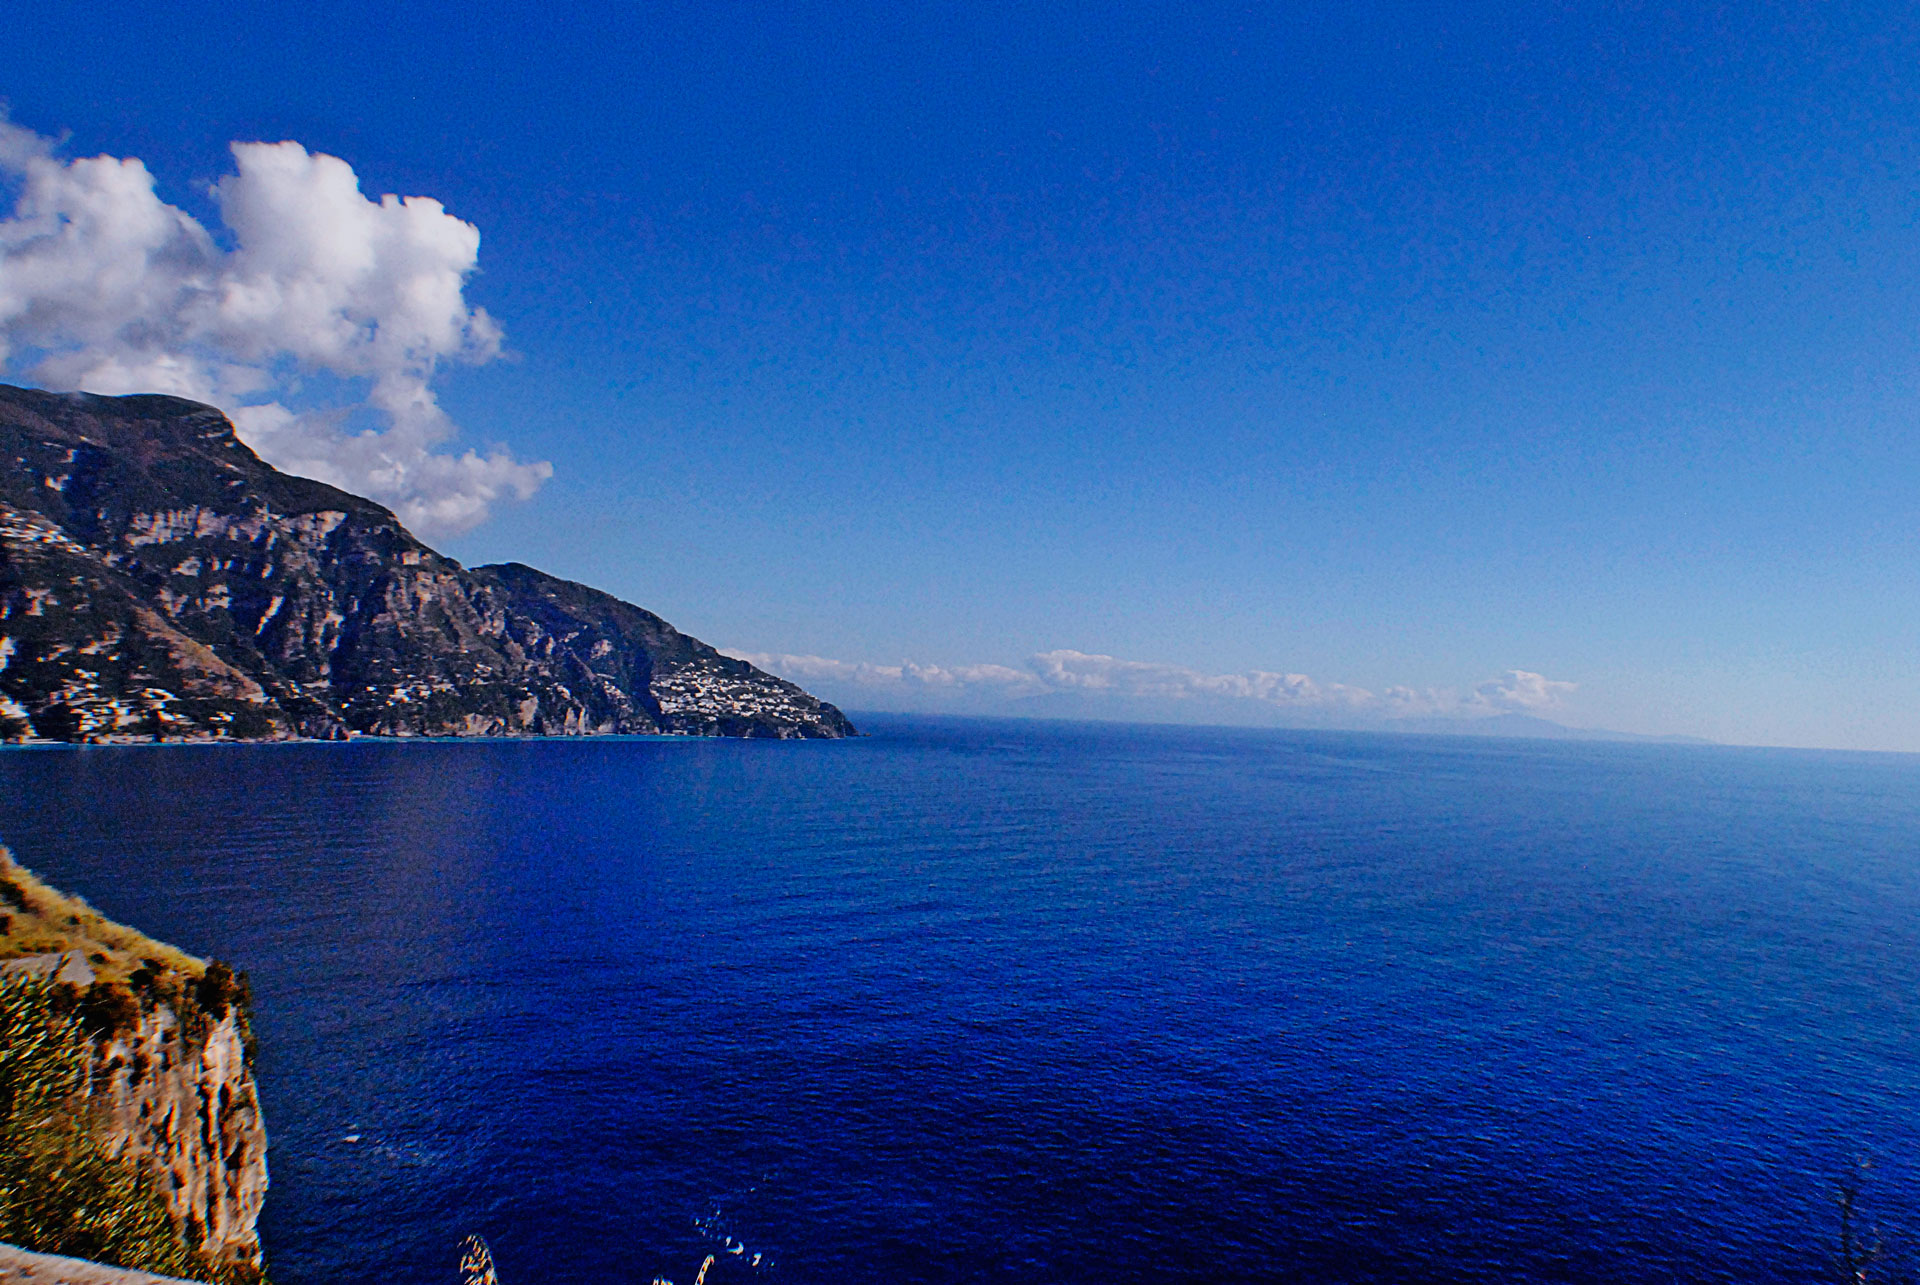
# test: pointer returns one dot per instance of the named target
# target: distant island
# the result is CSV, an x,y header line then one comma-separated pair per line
x,y
1528,727
159,581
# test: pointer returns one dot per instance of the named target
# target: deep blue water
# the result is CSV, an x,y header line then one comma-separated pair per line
x,y
1025,1002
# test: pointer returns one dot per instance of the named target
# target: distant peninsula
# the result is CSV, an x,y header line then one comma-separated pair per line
x,y
159,581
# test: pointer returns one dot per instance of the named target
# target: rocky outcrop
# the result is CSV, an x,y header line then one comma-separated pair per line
x,y
177,1098
159,581
125,1085
68,966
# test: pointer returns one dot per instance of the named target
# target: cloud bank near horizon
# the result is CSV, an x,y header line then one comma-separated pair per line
x,y
1517,691
108,289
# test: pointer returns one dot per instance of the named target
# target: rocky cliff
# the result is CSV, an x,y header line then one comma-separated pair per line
x,y
130,1126
176,1098
159,581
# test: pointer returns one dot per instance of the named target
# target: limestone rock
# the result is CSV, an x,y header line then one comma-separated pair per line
x,y
22,1267
178,1097
68,967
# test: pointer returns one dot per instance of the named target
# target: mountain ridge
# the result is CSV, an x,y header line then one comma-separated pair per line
x,y
159,581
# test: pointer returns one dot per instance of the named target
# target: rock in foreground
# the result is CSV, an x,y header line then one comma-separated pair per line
x,y
158,581
19,1267
130,1124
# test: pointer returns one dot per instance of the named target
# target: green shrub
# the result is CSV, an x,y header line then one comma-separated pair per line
x,y
108,1007
221,988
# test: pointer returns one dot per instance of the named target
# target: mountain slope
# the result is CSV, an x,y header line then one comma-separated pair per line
x,y
159,581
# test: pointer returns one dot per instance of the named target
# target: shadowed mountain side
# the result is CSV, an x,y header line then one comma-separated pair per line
x,y
159,581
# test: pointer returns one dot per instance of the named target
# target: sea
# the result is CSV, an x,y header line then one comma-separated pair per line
x,y
968,1000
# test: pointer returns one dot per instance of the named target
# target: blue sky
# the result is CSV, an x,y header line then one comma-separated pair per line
x,y
1401,347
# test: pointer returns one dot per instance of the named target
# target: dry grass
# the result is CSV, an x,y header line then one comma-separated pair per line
x,y
39,918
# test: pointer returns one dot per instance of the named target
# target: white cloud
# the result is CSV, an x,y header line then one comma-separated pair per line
x,y
107,288
1520,692
906,675
1071,670
1108,677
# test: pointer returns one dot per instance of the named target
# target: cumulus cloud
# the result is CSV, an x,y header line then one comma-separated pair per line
x,y
904,676
1518,691
1077,670
105,287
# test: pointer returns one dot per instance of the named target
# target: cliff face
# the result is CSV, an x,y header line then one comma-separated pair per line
x,y
130,1125
177,1098
159,581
